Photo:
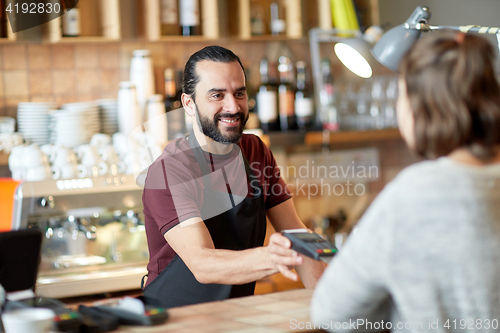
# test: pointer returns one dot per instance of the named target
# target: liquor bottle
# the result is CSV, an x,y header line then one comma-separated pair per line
x,y
253,118
286,95
328,116
189,11
267,100
277,23
304,106
169,20
175,114
70,21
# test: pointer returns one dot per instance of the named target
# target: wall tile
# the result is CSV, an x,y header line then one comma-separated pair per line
x,y
87,82
126,50
86,98
63,56
157,54
86,56
2,93
40,82
63,82
39,56
3,109
14,57
16,83
65,99
109,56
124,74
174,54
42,98
110,79
11,105
159,80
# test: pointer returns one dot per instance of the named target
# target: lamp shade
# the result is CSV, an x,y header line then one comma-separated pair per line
x,y
394,44
354,53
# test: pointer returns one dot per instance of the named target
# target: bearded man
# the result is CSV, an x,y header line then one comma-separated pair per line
x,y
206,198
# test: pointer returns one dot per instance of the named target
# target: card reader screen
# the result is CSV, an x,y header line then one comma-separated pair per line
x,y
307,237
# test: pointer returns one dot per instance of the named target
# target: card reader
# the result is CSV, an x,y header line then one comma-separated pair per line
x,y
310,244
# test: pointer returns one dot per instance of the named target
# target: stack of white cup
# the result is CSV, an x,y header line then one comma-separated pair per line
x,y
137,150
141,74
8,138
129,116
30,163
64,161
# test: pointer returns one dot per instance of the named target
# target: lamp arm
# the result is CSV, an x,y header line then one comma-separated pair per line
x,y
422,26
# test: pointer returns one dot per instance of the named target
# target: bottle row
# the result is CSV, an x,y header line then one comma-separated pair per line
x,y
285,100
94,20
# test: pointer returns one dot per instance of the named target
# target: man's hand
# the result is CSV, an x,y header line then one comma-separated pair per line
x,y
282,257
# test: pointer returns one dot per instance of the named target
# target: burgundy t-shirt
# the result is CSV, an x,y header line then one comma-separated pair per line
x,y
173,190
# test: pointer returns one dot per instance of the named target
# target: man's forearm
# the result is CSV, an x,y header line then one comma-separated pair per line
x,y
232,267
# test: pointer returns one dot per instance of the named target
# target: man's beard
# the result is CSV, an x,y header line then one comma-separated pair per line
x,y
210,127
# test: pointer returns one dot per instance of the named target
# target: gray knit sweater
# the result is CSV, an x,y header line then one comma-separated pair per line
x,y
425,258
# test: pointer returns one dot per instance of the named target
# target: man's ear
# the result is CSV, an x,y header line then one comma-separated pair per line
x,y
189,105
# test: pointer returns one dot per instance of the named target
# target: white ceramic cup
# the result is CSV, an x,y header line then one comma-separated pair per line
x,y
5,142
49,150
7,125
89,155
32,156
38,173
100,139
100,169
67,171
63,156
28,320
9,141
16,158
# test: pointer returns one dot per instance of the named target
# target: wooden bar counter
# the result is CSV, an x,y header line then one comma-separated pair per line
x,y
276,312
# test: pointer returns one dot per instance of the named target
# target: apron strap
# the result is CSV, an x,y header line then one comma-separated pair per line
x,y
200,158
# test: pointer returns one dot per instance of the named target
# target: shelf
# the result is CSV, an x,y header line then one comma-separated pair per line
x,y
84,39
327,137
297,138
270,38
4,159
98,17
184,38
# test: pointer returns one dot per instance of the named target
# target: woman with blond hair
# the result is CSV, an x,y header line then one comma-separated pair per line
x,y
426,256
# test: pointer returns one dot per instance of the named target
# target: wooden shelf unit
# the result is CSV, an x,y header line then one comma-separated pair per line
x,y
231,19
11,36
328,137
100,21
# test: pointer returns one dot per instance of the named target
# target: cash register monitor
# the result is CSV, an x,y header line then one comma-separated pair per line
x,y
19,259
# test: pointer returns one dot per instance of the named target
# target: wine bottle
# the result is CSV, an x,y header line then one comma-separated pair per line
x,y
70,21
277,24
286,95
175,114
189,11
267,100
304,107
253,118
169,20
328,110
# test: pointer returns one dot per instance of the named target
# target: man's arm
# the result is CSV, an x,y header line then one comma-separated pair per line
x,y
191,240
284,216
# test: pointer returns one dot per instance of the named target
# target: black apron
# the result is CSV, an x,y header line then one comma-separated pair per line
x,y
239,228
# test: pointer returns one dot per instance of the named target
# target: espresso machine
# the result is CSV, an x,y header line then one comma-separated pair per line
x,y
94,235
